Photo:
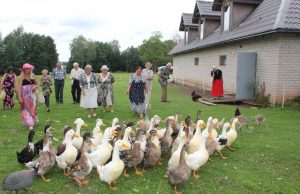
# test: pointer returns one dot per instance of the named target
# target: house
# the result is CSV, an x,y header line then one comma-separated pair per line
x,y
251,41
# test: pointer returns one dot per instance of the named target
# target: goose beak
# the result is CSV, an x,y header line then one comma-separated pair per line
x,y
75,135
92,144
202,125
238,122
55,139
103,124
85,125
132,133
174,121
229,126
115,133
124,146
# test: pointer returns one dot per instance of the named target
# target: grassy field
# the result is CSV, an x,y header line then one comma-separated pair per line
x,y
264,161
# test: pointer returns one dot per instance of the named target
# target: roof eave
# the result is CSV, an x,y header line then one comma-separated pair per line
x,y
237,39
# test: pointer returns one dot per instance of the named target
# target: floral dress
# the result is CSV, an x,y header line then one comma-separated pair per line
x,y
28,108
9,86
105,89
136,93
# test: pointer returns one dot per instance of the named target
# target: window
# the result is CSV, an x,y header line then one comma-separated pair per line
x,y
201,30
196,61
222,60
226,18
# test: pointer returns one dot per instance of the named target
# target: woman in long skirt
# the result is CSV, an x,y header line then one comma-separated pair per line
x,y
136,90
147,74
88,85
105,88
8,85
217,84
27,96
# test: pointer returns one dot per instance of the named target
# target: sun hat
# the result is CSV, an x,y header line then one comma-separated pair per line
x,y
104,67
28,66
148,64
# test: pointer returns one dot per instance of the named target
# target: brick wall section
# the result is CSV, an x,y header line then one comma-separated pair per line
x,y
278,58
289,66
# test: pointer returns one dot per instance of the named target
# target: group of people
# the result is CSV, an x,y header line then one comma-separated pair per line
x,y
88,89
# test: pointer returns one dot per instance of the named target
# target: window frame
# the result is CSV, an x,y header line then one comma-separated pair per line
x,y
223,60
196,61
226,13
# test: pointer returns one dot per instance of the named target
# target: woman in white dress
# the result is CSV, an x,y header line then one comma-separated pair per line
x,y
89,94
147,74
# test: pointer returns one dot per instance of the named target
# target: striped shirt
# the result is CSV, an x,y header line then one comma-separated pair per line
x,y
59,74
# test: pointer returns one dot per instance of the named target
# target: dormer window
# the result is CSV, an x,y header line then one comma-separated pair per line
x,y
226,18
201,30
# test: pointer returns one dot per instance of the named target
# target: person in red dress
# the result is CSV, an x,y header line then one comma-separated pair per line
x,y
217,83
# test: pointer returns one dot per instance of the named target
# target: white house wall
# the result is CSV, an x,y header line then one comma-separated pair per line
x,y
267,48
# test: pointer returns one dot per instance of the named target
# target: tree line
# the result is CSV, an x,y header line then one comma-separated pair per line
x,y
19,47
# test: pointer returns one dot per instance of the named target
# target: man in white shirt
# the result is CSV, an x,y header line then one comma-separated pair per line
x,y
75,75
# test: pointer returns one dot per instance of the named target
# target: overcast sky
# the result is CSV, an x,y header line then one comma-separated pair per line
x,y
129,22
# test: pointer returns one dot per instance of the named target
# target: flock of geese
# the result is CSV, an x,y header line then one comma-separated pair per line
x,y
119,147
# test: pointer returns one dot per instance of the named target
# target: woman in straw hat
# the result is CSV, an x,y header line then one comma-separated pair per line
x,y
105,88
147,74
26,89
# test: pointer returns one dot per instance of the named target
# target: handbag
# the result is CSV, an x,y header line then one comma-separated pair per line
x,y
40,98
2,95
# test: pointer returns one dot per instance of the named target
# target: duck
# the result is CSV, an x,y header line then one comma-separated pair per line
x,y
153,151
232,134
134,156
198,158
39,144
195,141
181,173
77,141
175,157
167,140
112,170
176,141
103,151
82,167
19,180
97,133
214,132
70,153
209,120
175,125
128,132
46,159
222,140
154,123
211,142
114,123
61,147
27,153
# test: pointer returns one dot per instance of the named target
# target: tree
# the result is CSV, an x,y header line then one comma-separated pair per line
x,y
130,59
19,47
153,50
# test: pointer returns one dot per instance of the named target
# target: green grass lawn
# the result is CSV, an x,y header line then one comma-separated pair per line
x,y
264,161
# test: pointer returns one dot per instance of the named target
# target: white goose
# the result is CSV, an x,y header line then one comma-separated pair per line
x,y
112,170
97,133
125,140
209,121
174,160
103,152
199,157
195,141
77,141
232,134
70,153
222,139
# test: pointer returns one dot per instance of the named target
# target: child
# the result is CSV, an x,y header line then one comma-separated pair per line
x,y
46,84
